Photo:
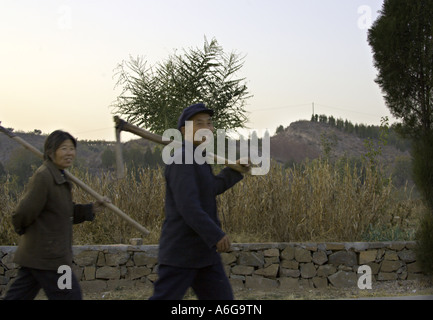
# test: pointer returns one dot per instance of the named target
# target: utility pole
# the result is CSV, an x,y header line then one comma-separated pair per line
x,y
313,108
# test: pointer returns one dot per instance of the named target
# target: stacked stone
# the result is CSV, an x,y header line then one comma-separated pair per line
x,y
291,266
105,268
268,266
8,269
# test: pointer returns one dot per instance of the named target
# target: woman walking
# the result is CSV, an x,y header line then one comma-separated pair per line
x,y
43,219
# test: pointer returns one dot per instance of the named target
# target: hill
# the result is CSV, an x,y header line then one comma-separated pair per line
x,y
90,154
8,145
307,139
299,141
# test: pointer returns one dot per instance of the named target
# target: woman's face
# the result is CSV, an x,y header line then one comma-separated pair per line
x,y
64,155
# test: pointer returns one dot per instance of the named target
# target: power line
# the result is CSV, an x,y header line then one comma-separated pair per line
x,y
314,104
284,107
95,130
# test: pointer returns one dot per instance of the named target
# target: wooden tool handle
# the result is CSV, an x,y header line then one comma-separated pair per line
x,y
125,126
81,184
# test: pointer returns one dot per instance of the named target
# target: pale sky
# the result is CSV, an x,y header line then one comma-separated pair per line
x,y
57,58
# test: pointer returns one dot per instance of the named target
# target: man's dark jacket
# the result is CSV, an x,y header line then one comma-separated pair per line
x,y
192,228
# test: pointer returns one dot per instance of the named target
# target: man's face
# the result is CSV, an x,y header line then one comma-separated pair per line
x,y
200,121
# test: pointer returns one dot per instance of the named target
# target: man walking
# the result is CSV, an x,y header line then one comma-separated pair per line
x,y
192,237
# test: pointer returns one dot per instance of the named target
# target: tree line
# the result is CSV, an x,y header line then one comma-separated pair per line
x,y
92,156
364,131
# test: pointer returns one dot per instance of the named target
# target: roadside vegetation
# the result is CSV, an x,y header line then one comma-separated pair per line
x,y
316,200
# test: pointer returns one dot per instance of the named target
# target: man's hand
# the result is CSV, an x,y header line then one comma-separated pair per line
x,y
245,167
224,244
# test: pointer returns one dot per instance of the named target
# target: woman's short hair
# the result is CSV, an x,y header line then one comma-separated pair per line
x,y
54,140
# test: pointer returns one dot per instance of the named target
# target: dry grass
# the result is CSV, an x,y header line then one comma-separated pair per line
x,y
140,195
7,203
317,201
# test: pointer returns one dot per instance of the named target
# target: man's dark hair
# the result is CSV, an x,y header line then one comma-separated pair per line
x,y
54,140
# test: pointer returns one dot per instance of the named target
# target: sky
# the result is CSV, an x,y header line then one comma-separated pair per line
x,y
58,57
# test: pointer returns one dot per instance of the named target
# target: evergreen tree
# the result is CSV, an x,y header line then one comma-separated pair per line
x,y
402,43
279,129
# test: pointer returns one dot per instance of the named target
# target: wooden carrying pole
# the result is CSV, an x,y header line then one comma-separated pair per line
x,y
122,125
81,184
119,156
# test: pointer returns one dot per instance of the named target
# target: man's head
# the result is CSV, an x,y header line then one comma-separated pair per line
x,y
200,116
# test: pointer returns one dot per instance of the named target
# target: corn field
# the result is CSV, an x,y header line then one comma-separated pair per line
x,y
316,201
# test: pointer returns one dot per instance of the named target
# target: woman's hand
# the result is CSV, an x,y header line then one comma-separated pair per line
x,y
98,205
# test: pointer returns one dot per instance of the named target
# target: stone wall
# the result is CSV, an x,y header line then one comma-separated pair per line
x,y
264,266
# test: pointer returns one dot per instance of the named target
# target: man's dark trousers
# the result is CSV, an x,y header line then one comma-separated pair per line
x,y
208,283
